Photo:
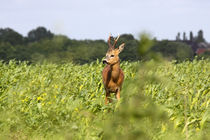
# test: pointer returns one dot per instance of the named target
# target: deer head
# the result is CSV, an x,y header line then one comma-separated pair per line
x,y
112,55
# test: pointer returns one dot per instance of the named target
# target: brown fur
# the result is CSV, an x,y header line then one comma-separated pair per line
x,y
112,74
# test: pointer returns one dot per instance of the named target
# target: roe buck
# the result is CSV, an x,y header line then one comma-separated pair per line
x,y
112,74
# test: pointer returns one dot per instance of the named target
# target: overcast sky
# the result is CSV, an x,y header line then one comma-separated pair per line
x,y
95,19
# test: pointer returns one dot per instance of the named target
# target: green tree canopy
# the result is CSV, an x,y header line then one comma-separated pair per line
x,y
11,36
38,34
173,50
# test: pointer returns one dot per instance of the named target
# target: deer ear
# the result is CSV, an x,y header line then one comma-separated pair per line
x,y
121,47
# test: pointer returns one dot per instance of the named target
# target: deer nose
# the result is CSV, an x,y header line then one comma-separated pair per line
x,y
104,61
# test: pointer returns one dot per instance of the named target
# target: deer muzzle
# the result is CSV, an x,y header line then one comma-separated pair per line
x,y
105,61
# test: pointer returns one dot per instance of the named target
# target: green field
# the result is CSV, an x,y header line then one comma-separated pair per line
x,y
66,101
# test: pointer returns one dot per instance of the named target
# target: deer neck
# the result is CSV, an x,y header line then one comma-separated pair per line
x,y
115,71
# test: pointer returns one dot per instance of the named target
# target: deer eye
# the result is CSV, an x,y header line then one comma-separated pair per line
x,y
112,55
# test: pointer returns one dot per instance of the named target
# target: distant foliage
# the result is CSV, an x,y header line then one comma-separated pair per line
x,y
38,34
200,37
8,35
173,50
41,45
205,55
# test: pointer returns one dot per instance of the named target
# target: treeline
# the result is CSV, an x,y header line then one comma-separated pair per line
x,y
41,45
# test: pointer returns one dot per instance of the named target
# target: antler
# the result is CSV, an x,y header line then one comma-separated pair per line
x,y
109,41
115,41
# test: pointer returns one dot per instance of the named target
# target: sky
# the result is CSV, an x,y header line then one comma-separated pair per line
x,y
95,19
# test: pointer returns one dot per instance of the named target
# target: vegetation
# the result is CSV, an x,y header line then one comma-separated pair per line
x,y
40,45
66,101
51,96
173,50
205,55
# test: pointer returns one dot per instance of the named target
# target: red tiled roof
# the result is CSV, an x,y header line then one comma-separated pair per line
x,y
202,50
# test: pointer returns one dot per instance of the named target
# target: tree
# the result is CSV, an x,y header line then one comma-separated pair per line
x,y
130,52
11,36
173,50
7,51
178,36
184,36
38,34
191,36
200,36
